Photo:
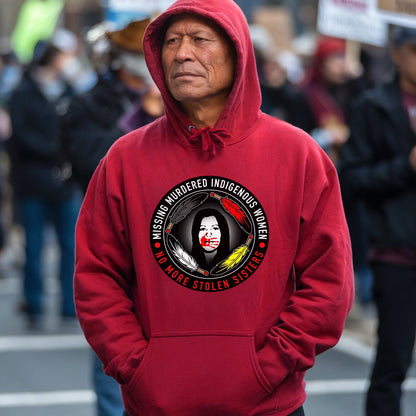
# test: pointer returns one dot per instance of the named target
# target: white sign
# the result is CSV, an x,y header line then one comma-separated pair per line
x,y
119,13
353,20
141,6
401,13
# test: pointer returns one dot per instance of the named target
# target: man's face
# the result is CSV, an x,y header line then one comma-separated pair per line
x,y
404,57
198,61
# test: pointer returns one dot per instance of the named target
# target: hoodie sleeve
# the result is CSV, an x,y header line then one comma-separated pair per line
x,y
314,317
104,274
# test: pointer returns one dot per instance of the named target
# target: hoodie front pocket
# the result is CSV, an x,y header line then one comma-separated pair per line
x,y
199,374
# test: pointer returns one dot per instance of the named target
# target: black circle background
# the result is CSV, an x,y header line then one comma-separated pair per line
x,y
198,281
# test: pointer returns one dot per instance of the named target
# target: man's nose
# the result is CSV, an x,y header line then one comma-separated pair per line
x,y
185,50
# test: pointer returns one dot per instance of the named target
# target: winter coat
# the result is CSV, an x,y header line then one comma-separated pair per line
x,y
375,167
91,126
37,164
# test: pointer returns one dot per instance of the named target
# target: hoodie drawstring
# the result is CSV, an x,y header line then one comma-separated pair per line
x,y
210,138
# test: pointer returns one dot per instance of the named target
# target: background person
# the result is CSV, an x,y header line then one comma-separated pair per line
x,y
329,92
378,165
123,99
281,96
40,178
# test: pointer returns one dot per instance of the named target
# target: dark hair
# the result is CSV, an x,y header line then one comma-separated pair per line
x,y
400,35
223,249
44,53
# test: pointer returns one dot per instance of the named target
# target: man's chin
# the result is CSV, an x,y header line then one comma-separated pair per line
x,y
188,93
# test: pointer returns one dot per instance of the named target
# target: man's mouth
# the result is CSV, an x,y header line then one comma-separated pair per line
x,y
185,75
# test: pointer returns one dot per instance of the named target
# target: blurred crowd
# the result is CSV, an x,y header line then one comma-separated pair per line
x,y
62,110
60,113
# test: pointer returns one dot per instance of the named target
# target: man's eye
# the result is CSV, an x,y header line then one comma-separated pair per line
x,y
171,41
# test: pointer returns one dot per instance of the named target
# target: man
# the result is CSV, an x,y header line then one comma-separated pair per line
x,y
378,165
235,336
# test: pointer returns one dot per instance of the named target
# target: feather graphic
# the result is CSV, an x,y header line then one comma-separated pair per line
x,y
183,257
232,208
185,208
235,211
234,258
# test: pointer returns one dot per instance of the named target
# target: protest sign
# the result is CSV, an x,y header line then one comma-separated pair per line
x,y
407,7
37,20
121,12
355,20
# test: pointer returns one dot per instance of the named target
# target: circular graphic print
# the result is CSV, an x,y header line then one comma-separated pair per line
x,y
209,234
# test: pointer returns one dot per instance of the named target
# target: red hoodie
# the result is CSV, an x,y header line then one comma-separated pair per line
x,y
220,322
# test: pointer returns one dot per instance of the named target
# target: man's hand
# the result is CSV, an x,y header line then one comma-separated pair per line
x,y
412,158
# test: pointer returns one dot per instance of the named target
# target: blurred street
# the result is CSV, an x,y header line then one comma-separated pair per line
x,y
47,372
44,372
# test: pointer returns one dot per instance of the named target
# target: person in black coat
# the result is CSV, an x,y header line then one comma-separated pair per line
x,y
378,166
40,179
123,99
91,124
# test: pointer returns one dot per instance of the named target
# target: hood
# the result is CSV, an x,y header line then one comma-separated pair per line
x,y
242,108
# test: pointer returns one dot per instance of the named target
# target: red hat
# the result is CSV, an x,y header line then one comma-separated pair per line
x,y
328,46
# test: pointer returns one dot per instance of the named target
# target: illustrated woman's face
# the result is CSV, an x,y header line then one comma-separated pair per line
x,y
209,234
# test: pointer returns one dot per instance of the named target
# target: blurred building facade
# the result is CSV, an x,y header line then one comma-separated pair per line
x,y
79,14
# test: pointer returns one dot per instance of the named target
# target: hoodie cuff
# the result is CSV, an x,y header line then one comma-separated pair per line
x,y
122,368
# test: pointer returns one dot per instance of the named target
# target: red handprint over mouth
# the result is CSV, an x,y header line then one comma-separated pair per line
x,y
210,242
209,233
